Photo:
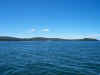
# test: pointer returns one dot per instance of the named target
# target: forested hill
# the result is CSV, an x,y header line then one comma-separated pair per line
x,y
6,38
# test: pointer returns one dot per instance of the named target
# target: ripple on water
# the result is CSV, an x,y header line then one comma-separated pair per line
x,y
49,58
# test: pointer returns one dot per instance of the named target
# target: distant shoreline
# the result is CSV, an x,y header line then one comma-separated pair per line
x,y
7,38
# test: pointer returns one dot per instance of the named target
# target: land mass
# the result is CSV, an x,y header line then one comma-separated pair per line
x,y
7,38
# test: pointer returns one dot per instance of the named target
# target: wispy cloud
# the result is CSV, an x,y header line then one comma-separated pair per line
x,y
93,35
30,31
79,36
41,30
45,30
33,30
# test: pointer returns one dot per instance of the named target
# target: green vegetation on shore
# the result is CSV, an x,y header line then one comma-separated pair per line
x,y
6,38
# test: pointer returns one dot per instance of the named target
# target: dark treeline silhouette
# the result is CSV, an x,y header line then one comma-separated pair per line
x,y
6,38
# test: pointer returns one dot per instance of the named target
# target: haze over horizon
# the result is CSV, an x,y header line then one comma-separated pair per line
x,y
50,18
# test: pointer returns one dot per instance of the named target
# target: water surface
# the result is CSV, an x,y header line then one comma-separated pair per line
x,y
50,58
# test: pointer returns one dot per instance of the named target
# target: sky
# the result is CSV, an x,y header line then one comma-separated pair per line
x,y
50,18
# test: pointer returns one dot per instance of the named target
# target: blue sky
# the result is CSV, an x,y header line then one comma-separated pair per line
x,y
50,18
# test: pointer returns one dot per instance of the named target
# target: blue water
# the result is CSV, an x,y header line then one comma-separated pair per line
x,y
50,58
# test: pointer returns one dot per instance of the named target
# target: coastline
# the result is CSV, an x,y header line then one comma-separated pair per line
x,y
7,38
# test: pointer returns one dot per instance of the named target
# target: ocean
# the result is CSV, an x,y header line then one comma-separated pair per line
x,y
50,58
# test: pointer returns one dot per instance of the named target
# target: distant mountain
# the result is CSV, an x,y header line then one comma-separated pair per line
x,y
6,38
89,39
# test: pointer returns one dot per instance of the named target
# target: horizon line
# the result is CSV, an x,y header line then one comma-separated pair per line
x,y
50,37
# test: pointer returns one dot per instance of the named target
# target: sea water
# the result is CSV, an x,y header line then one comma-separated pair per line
x,y
50,58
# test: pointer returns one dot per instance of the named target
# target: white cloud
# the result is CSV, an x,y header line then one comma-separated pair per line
x,y
45,30
33,30
79,36
94,35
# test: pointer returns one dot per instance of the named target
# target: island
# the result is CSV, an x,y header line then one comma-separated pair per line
x,y
7,38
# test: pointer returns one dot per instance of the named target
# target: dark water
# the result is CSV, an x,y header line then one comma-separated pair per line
x,y
50,58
